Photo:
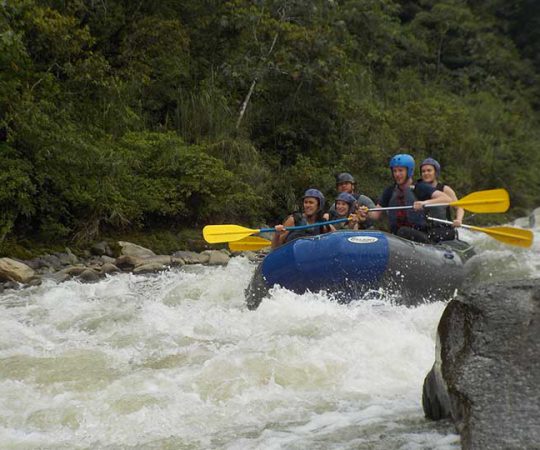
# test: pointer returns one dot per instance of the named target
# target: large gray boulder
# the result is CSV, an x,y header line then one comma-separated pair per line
x,y
190,257
486,376
11,270
215,257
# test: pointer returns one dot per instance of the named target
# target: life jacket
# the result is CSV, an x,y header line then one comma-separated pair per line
x,y
405,217
300,219
334,216
439,212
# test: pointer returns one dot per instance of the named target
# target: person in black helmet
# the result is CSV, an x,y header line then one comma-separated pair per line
x,y
345,182
312,212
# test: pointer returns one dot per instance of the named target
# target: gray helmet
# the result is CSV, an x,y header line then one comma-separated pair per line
x,y
432,162
315,193
344,177
347,198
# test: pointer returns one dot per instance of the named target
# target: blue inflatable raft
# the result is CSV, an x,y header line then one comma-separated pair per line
x,y
347,264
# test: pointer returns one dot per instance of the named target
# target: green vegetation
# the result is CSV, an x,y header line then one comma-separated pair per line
x,y
127,117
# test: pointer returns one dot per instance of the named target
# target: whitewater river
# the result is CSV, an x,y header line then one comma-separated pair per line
x,y
176,361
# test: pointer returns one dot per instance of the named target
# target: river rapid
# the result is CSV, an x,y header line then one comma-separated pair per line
x,y
176,361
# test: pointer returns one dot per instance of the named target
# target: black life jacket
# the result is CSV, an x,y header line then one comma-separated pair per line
x,y
300,219
439,212
405,217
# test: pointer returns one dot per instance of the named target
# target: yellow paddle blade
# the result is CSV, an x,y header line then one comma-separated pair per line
x,y
491,201
214,234
508,235
253,243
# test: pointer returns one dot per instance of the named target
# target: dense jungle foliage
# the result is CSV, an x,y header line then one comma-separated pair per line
x,y
137,115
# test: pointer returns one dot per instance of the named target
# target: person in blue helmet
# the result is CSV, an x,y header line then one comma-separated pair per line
x,y
409,223
312,212
430,170
345,206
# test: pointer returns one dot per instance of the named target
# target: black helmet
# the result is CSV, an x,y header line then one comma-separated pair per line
x,y
344,177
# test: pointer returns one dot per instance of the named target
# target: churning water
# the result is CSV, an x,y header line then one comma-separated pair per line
x,y
176,361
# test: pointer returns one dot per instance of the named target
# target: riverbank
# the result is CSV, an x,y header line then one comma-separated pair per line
x,y
102,259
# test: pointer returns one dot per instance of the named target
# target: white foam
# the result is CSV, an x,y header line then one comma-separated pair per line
x,y
176,359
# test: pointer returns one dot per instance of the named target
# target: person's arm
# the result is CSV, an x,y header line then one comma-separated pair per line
x,y
368,203
355,217
352,224
281,234
376,215
460,212
436,198
328,228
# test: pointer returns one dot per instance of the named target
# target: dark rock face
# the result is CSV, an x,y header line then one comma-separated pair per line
x,y
256,290
486,376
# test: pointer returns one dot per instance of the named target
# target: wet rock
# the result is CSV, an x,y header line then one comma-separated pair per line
x,y
175,261
130,249
101,249
11,270
107,259
60,277
486,376
36,263
149,268
164,260
73,271
36,281
89,276
11,285
256,290
108,268
52,261
128,262
67,258
216,257
188,257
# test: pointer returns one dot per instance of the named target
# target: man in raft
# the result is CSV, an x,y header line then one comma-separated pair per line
x,y
409,223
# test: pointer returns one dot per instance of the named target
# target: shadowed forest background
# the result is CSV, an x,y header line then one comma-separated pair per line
x,y
118,116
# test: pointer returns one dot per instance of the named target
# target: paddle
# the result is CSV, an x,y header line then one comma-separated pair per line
x,y
508,235
490,201
250,243
214,234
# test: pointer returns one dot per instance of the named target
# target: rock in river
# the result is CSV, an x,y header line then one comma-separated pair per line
x,y
486,375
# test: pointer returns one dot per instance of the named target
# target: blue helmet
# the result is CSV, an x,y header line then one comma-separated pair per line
x,y
403,160
432,162
347,198
316,194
